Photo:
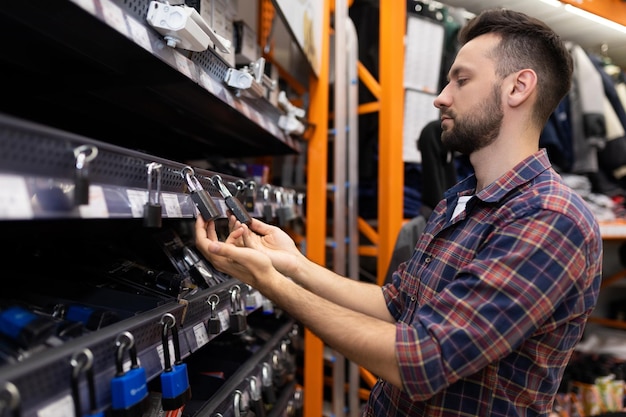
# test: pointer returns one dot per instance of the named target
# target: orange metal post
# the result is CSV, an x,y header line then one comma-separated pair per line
x,y
317,161
390,162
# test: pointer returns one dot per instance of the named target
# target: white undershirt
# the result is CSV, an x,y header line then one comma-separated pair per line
x,y
460,205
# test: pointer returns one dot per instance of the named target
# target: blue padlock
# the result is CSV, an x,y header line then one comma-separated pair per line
x,y
175,388
129,389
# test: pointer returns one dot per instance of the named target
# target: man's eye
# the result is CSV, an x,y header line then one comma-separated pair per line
x,y
461,81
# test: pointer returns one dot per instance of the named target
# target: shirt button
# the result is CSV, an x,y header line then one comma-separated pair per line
x,y
413,298
427,260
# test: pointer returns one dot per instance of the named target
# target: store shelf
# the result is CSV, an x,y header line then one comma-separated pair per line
x,y
38,177
95,68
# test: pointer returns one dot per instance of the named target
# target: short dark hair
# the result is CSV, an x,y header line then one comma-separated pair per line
x,y
526,42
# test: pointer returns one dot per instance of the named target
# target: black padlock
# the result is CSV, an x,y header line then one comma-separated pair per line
x,y
83,155
82,362
298,400
282,211
268,210
175,388
249,199
268,389
238,322
152,212
234,205
241,406
214,324
129,390
256,397
201,198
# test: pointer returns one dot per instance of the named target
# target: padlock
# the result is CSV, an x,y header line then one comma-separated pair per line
x,y
82,363
241,406
287,357
214,324
256,397
10,400
268,210
279,373
282,211
24,327
201,198
175,388
298,400
240,186
129,390
152,213
268,390
249,198
238,322
234,205
83,155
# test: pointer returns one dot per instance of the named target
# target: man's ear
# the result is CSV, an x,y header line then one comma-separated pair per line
x,y
524,85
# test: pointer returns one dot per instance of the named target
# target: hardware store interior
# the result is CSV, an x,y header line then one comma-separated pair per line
x,y
117,130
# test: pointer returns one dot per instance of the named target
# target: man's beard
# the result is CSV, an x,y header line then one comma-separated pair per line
x,y
476,130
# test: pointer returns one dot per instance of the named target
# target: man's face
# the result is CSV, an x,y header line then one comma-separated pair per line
x,y
471,104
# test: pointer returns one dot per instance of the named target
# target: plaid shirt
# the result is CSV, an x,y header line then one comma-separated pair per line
x,y
492,303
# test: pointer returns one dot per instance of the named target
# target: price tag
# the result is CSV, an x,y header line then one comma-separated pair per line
x,y
201,334
60,408
137,199
97,207
14,200
171,205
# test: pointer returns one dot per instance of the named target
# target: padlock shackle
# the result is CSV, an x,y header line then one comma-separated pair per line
x,y
169,323
13,401
156,167
190,178
82,363
125,342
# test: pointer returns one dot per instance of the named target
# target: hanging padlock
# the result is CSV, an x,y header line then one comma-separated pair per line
x,y
152,213
289,197
268,210
256,397
287,357
298,400
129,390
10,400
234,205
175,388
201,198
279,373
300,205
82,363
214,324
249,199
238,323
83,155
240,186
268,390
241,406
282,212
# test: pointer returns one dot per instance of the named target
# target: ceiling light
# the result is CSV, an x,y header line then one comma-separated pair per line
x,y
553,3
595,18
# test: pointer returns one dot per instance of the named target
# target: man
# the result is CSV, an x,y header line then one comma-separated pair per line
x,y
483,318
